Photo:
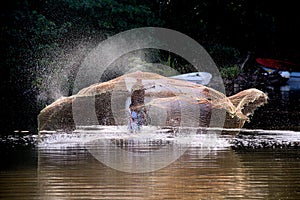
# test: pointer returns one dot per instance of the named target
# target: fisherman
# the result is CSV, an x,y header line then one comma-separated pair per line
x,y
136,119
138,93
205,110
137,109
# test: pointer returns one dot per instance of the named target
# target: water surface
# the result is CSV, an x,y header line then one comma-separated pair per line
x,y
63,168
261,162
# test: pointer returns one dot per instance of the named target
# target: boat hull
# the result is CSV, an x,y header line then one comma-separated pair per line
x,y
283,67
202,78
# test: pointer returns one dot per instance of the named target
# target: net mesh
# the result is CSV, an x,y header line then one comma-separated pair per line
x,y
169,102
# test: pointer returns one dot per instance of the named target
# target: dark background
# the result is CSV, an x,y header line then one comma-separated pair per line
x,y
36,32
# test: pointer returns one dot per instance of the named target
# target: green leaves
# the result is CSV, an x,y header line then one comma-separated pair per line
x,y
230,72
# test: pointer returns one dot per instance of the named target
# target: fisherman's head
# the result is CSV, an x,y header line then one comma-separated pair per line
x,y
205,91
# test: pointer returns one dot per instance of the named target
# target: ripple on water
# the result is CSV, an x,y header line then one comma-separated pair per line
x,y
64,169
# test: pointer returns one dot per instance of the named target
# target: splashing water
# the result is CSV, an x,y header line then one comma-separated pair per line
x,y
246,139
147,134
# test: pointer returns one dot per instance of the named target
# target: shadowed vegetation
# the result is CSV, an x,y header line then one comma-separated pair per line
x,y
39,37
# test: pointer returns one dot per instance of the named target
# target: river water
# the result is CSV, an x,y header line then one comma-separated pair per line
x,y
261,162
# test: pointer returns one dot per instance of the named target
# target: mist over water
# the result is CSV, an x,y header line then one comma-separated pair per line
x,y
55,77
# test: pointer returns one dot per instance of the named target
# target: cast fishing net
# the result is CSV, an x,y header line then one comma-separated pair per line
x,y
169,103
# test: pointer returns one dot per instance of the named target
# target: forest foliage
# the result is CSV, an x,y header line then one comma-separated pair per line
x,y
35,32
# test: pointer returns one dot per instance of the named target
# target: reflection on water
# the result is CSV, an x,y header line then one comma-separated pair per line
x,y
70,171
